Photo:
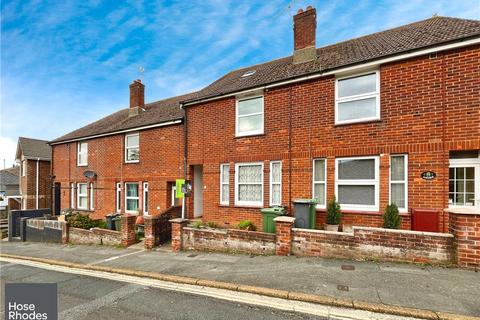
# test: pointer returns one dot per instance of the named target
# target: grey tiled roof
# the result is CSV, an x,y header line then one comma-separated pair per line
x,y
34,148
414,36
9,176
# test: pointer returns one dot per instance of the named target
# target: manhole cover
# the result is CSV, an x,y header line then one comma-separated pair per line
x,y
348,267
342,288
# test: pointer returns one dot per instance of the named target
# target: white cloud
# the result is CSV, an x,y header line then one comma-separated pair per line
x,y
8,147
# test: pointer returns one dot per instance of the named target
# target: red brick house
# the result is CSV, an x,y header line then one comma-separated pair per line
x,y
125,162
34,157
389,117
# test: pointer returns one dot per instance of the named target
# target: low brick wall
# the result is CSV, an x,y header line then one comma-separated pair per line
x,y
375,243
158,228
464,224
95,236
228,240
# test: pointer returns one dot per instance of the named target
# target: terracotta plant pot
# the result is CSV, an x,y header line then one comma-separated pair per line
x,y
140,220
331,227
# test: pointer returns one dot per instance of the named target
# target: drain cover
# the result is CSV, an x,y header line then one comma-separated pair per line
x,y
191,256
342,288
348,267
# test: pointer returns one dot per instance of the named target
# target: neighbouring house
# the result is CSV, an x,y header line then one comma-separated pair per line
x,y
391,117
10,188
34,157
126,162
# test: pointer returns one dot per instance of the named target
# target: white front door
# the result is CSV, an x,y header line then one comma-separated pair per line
x,y
197,191
464,183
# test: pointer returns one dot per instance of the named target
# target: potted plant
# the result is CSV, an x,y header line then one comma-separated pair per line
x,y
334,215
391,217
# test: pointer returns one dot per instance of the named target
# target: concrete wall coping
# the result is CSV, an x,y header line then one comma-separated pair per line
x,y
218,231
178,220
338,233
466,210
284,219
419,233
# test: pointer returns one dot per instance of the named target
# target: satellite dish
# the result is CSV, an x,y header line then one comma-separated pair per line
x,y
90,174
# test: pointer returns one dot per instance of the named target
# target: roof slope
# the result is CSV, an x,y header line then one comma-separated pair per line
x,y
9,176
417,35
34,148
155,112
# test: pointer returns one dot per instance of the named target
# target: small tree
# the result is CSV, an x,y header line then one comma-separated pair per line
x,y
391,217
334,214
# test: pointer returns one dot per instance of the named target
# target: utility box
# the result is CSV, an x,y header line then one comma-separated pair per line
x,y
425,220
305,213
268,215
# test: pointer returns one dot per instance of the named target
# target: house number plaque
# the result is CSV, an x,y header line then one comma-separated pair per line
x,y
428,175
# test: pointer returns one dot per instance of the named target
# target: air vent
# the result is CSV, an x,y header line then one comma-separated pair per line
x,y
249,73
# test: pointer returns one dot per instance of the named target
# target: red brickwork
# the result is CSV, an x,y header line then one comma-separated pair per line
x,y
177,229
128,230
375,243
158,228
429,106
28,185
283,230
466,229
161,162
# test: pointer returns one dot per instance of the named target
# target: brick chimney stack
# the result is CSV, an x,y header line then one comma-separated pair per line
x,y
304,28
137,97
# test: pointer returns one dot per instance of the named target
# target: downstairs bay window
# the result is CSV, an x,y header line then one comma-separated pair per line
x,y
357,183
464,179
249,184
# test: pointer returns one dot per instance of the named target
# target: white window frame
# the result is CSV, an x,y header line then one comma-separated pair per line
x,y
468,162
72,195
24,168
375,182
253,132
84,155
79,195
222,183
362,96
275,183
319,205
247,203
404,182
132,147
118,197
127,197
145,198
91,200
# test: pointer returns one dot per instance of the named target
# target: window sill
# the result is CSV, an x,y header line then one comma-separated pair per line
x,y
248,206
342,124
130,162
250,135
82,165
224,205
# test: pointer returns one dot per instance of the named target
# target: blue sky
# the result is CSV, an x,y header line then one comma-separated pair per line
x,y
67,63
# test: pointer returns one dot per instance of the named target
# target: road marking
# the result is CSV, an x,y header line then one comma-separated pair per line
x,y
233,296
116,257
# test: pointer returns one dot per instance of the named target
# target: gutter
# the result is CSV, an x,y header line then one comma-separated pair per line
x,y
156,125
345,69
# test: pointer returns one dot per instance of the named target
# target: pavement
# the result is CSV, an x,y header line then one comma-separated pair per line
x,y
439,289
84,297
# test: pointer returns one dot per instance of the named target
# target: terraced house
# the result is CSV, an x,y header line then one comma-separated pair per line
x,y
391,117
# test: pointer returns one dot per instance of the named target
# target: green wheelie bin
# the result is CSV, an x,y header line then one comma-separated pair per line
x,y
268,215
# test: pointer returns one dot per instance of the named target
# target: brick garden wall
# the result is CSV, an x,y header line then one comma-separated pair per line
x,y
95,236
228,240
465,227
374,243
158,228
429,106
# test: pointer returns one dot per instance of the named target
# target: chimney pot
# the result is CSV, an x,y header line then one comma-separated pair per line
x,y
304,29
137,94
300,11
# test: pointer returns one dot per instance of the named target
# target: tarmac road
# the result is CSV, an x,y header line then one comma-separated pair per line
x,y
84,297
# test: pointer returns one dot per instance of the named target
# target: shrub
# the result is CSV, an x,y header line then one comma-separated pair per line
x,y
391,217
212,225
246,225
197,224
101,224
334,214
83,221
